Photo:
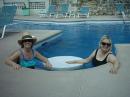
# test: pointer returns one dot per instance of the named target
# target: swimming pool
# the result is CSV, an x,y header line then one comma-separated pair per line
x,y
79,38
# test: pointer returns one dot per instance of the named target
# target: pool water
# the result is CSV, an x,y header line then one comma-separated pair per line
x,y
80,39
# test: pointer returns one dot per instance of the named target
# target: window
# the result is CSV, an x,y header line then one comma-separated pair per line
x,y
37,5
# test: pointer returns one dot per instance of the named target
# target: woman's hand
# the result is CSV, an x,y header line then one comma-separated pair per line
x,y
113,70
48,65
16,66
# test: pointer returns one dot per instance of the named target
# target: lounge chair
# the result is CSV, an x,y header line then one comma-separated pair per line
x,y
83,11
6,17
49,13
73,11
64,10
120,9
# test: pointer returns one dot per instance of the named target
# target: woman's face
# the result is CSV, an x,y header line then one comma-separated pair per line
x,y
105,45
27,43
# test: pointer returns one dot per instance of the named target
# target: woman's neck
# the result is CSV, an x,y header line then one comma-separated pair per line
x,y
27,49
103,52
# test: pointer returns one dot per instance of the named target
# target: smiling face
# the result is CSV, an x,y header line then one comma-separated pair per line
x,y
105,45
27,43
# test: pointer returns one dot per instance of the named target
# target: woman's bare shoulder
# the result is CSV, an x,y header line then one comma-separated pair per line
x,y
15,52
112,57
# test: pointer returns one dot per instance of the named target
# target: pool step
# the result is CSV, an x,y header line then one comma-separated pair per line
x,y
44,36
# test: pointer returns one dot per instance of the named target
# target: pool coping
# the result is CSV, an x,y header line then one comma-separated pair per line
x,y
77,21
100,18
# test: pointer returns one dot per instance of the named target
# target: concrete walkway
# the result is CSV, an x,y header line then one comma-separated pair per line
x,y
94,82
91,18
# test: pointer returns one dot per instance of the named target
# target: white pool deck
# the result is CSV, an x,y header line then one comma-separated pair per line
x,y
91,18
94,82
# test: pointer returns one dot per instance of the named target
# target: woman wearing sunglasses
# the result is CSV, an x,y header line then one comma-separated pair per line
x,y
101,56
26,56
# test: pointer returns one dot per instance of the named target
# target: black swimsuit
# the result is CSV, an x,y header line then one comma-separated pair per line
x,y
96,62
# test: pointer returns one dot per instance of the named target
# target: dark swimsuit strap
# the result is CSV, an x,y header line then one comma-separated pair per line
x,y
96,52
105,57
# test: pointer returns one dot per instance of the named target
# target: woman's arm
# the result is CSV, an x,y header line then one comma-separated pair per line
x,y
83,61
12,60
114,62
44,59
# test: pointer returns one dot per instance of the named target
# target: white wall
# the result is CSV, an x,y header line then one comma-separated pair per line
x,y
32,11
37,11
1,3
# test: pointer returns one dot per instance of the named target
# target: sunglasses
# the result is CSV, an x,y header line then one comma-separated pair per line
x,y
108,44
27,40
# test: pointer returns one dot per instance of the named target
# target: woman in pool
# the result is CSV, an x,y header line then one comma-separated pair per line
x,y
26,56
101,56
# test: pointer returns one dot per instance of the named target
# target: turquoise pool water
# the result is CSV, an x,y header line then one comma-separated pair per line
x,y
80,38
